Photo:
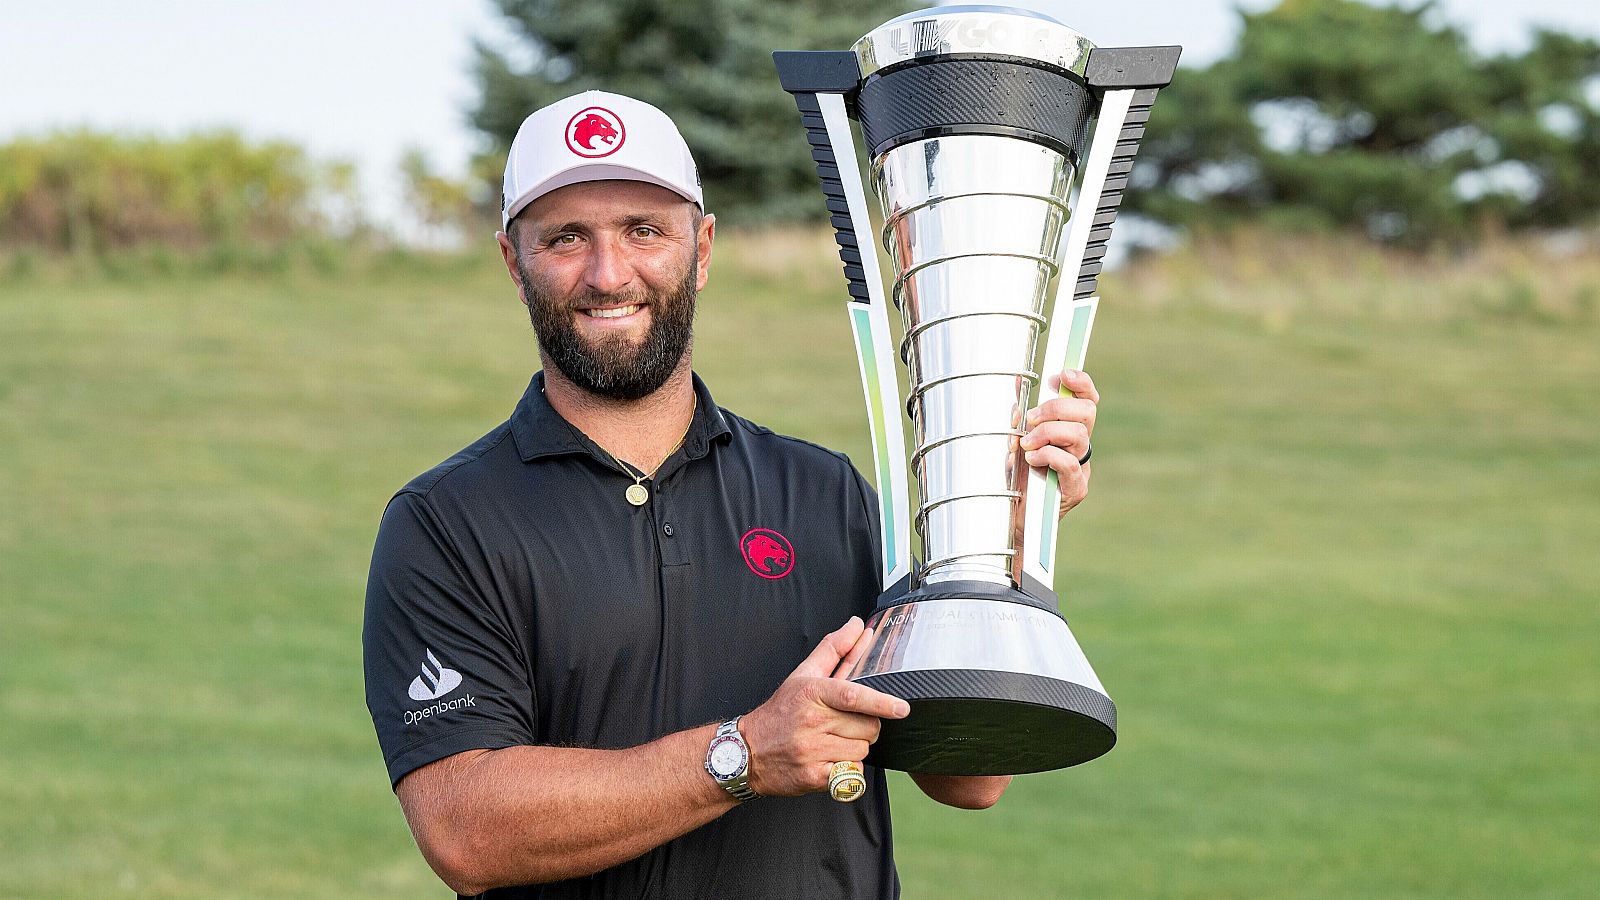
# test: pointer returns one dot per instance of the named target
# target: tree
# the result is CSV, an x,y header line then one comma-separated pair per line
x,y
1382,119
706,63
1546,115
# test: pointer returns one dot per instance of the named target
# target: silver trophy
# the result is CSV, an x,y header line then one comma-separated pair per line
x,y
999,143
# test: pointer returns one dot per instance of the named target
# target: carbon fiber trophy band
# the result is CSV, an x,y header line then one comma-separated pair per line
x,y
999,144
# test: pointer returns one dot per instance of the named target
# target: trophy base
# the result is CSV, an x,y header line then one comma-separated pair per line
x,y
976,722
996,687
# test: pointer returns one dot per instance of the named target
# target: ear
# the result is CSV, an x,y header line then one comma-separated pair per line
x,y
508,253
708,230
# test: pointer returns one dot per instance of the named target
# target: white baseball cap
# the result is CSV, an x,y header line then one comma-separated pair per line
x,y
596,136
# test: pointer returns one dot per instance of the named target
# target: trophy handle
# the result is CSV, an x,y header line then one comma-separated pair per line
x,y
1127,80
822,83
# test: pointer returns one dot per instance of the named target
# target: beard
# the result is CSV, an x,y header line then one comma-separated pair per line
x,y
613,367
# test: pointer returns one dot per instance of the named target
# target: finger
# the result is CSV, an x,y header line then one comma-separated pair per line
x,y
818,775
855,727
848,696
823,660
848,664
1072,477
1075,382
1065,409
1074,488
1065,464
1072,437
839,749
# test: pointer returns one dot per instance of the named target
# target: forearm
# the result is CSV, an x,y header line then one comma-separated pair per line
x,y
527,815
964,791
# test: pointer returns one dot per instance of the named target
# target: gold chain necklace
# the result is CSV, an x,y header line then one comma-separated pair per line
x,y
637,493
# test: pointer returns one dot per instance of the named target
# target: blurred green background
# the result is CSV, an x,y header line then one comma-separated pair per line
x,y
1337,567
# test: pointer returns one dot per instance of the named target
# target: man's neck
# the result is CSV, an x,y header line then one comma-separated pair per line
x,y
643,432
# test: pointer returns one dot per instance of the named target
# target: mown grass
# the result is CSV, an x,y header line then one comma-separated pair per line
x,y
1337,569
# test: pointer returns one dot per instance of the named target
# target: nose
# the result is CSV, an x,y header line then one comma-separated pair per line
x,y
609,270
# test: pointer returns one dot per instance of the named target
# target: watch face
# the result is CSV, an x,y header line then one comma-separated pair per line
x,y
727,758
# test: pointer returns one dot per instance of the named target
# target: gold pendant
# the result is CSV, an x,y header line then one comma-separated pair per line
x,y
637,495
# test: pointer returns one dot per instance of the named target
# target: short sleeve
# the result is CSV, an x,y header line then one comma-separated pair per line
x,y
444,673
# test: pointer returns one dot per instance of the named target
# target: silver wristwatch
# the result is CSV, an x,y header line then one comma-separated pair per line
x,y
728,760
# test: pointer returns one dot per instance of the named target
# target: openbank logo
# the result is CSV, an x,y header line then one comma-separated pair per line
x,y
435,680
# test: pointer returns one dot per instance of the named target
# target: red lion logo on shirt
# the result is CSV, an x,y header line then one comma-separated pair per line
x,y
767,553
595,132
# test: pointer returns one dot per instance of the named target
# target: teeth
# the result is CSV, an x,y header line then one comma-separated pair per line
x,y
617,313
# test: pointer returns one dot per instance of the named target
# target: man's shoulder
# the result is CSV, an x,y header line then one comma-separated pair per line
x,y
787,449
474,466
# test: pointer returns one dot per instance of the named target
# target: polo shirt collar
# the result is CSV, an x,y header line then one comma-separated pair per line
x,y
541,431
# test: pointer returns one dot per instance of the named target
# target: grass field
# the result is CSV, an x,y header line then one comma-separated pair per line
x,y
1338,569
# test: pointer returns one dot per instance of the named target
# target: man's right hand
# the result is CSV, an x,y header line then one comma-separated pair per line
x,y
531,814
814,719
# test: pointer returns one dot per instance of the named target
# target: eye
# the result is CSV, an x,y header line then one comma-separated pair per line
x,y
644,232
565,239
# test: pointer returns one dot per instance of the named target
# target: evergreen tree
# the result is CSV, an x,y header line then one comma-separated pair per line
x,y
706,63
1382,119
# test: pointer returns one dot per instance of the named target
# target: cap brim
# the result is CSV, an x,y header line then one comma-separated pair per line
x,y
591,172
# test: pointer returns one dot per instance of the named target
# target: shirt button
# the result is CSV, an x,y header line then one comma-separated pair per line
x,y
667,529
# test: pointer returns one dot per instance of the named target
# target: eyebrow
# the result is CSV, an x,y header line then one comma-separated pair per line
x,y
628,221
642,219
550,231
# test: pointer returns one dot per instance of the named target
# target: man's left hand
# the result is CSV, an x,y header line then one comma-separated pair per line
x,y
1058,433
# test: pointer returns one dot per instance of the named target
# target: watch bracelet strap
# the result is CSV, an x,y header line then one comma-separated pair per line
x,y
740,789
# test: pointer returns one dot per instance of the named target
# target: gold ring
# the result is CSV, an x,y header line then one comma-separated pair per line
x,y
847,781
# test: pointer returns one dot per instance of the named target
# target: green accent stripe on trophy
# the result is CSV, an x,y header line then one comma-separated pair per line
x,y
1077,351
861,323
1085,228
1078,338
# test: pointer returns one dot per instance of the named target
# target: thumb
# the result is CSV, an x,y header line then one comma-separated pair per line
x,y
823,660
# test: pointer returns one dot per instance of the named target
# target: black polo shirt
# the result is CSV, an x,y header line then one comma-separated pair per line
x,y
517,598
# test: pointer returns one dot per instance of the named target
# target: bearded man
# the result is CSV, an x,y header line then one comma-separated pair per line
x,y
565,619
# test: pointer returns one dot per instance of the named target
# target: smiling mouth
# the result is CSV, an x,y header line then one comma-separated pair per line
x,y
615,312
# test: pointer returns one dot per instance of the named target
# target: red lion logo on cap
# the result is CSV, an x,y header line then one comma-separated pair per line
x,y
595,132
767,553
